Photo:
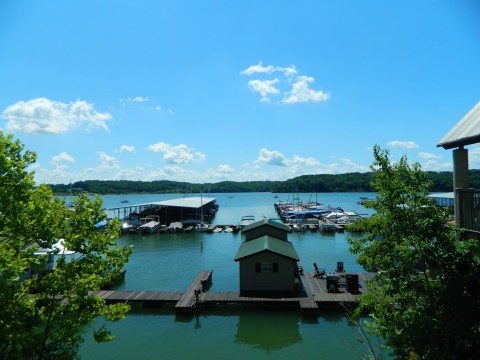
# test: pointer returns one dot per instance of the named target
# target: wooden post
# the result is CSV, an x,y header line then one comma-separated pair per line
x,y
460,179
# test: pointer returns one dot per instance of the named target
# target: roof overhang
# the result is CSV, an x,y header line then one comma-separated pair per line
x,y
466,132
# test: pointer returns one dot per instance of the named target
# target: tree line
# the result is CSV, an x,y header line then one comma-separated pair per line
x,y
349,182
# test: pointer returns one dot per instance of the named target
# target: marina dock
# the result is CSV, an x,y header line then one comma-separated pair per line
x,y
311,296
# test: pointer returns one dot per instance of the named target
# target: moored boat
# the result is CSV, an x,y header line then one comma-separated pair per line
x,y
175,226
247,220
202,227
150,224
299,227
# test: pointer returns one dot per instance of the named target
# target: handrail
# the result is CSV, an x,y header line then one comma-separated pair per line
x,y
468,211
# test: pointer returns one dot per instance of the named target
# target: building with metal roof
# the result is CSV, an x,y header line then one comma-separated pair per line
x,y
266,243
444,200
267,264
173,210
266,227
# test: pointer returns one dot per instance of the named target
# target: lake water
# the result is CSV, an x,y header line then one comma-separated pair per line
x,y
171,262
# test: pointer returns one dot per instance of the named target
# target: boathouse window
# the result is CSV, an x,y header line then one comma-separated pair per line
x,y
266,267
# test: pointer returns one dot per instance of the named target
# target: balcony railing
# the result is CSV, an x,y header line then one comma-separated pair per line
x,y
467,209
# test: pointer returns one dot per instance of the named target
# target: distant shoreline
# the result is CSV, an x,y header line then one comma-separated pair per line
x,y
324,183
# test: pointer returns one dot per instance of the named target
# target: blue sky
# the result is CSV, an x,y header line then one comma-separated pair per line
x,y
207,91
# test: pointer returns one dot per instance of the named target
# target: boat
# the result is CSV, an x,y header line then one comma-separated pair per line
x,y
299,227
363,200
327,226
312,224
124,201
150,224
60,249
175,226
247,220
202,227
130,224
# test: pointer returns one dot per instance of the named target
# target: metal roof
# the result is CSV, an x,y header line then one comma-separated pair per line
x,y
270,222
448,195
194,202
466,132
266,243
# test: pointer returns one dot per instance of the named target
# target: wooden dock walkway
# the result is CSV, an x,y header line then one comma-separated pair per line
x,y
312,295
191,297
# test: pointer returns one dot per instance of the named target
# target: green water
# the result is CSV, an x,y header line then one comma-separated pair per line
x,y
171,262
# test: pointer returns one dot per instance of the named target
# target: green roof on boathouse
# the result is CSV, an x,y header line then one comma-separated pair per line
x,y
267,243
266,227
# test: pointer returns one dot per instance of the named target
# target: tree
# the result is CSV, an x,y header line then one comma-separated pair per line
x,y
41,316
424,299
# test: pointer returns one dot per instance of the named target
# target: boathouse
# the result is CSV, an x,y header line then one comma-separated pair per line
x,y
266,227
187,210
267,264
267,260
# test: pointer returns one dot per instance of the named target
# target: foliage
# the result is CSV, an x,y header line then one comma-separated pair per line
x,y
158,187
350,182
424,299
41,317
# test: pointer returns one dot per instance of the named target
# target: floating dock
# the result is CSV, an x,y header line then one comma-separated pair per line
x,y
311,297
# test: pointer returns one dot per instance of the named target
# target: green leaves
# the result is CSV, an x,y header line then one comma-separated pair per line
x,y
428,280
41,312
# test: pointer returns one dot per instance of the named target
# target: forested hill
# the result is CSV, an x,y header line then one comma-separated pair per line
x,y
350,182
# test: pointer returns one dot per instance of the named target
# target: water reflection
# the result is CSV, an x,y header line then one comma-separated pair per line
x,y
263,329
273,332
232,332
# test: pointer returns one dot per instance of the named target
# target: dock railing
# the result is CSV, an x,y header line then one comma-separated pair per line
x,y
467,212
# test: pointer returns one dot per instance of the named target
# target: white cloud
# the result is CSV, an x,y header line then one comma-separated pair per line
x,y
107,161
108,169
433,165
136,99
406,145
200,156
301,92
127,148
264,87
171,112
268,157
62,157
474,157
44,116
353,167
288,71
179,154
305,161
428,156
296,89
259,68
225,169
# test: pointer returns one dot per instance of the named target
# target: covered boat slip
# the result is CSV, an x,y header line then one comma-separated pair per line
x,y
188,208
